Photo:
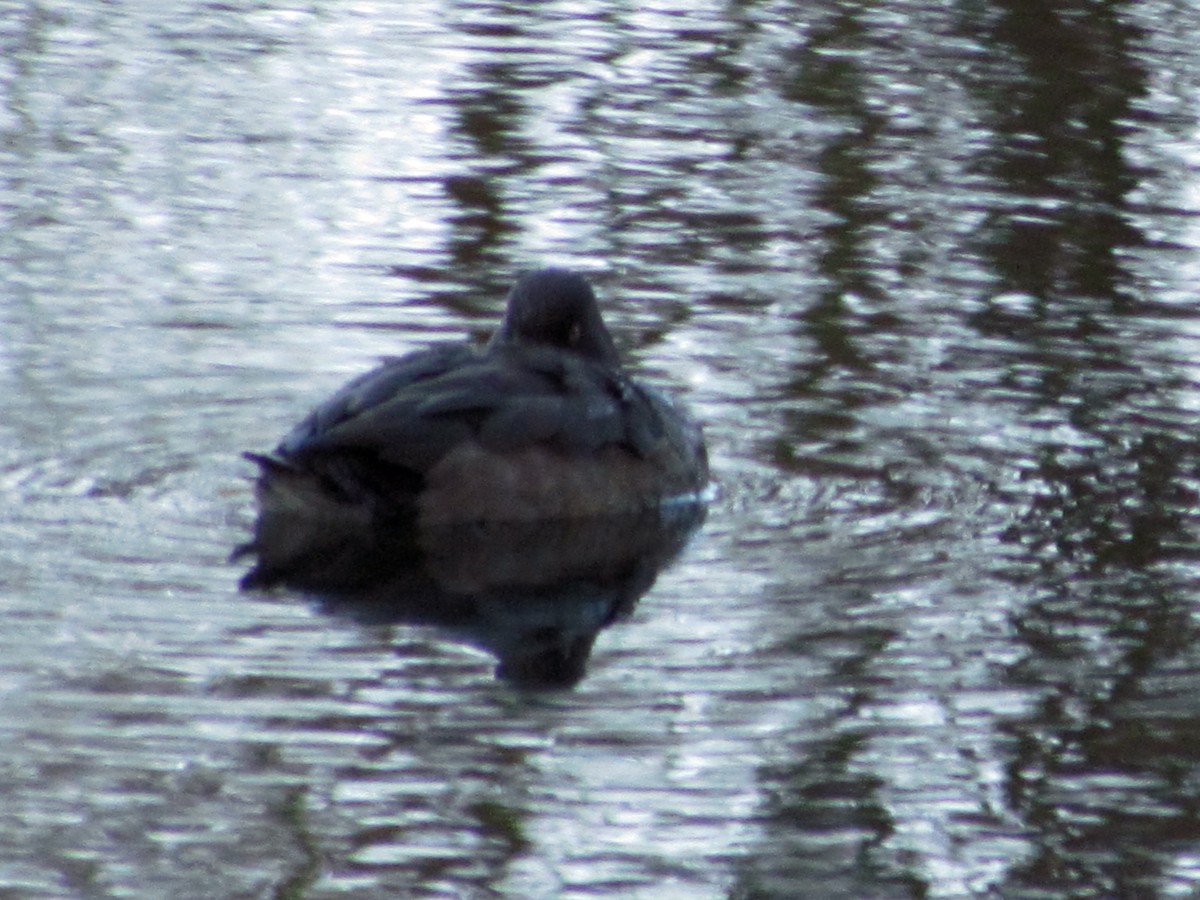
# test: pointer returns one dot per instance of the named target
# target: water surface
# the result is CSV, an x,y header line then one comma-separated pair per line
x,y
928,275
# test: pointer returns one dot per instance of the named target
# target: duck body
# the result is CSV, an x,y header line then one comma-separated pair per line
x,y
540,423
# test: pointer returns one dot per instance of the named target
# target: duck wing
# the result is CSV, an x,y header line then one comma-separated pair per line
x,y
411,411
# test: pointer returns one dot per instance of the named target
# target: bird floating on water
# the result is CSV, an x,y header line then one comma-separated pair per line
x,y
540,423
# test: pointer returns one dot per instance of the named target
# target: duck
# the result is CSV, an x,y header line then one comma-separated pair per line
x,y
542,422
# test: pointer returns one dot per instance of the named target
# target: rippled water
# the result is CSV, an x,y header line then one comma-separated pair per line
x,y
927,272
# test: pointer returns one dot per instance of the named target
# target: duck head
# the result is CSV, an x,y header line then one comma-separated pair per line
x,y
556,308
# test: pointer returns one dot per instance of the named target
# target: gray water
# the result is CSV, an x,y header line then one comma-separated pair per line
x,y
927,271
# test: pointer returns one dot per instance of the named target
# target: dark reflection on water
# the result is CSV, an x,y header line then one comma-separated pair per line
x,y
926,271
1115,508
533,594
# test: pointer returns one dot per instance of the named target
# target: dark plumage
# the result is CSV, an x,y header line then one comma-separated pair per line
x,y
540,423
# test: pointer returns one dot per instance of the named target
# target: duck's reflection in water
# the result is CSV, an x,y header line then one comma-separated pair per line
x,y
533,594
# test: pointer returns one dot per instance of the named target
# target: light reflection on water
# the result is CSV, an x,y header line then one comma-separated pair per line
x,y
930,293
